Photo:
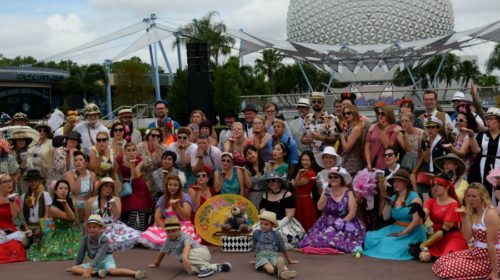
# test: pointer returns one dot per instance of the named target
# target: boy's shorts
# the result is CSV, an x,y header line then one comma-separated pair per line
x,y
265,256
107,263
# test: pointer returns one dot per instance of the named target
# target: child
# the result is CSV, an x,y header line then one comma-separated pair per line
x,y
95,244
267,245
194,257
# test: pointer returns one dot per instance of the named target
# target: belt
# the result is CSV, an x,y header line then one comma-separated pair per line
x,y
302,195
403,224
483,245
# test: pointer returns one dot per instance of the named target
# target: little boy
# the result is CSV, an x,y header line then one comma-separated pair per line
x,y
267,245
194,257
95,245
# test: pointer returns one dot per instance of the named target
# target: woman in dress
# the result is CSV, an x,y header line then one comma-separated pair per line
x,y
260,137
8,164
442,210
63,241
102,157
63,159
381,135
183,148
279,200
392,241
174,202
108,205
351,140
280,154
481,223
304,185
151,150
81,181
11,247
255,171
412,140
230,179
452,165
168,160
338,227
117,133
40,154
461,143
200,191
136,208
20,143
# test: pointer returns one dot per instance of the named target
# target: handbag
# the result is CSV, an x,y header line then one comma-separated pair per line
x,y
236,241
424,178
126,189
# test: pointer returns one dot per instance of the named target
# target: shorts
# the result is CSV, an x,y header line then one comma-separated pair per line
x,y
265,256
107,263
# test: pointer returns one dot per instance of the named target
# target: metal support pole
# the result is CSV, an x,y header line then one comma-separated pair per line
x,y
107,66
166,59
305,76
434,82
414,84
327,89
157,76
177,41
241,56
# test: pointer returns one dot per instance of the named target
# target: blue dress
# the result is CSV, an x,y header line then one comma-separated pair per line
x,y
378,244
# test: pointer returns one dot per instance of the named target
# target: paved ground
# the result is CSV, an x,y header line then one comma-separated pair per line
x,y
310,267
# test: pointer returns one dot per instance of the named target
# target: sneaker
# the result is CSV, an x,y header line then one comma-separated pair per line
x,y
223,267
140,274
205,272
280,265
101,273
287,274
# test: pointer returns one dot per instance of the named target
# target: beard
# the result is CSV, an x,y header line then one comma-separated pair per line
x,y
317,109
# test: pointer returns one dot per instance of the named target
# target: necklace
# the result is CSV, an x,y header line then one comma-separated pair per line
x,y
275,192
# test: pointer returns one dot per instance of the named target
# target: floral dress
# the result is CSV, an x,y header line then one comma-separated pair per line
x,y
330,231
60,243
58,167
151,163
107,162
410,158
120,236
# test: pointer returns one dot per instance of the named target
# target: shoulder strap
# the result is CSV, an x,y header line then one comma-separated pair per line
x,y
90,136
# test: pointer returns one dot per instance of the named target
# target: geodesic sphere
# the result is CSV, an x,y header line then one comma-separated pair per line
x,y
366,22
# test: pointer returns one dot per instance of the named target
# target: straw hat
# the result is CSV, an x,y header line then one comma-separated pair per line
x,y
20,116
328,151
172,223
462,167
91,109
458,96
105,180
270,217
126,112
95,219
317,95
22,135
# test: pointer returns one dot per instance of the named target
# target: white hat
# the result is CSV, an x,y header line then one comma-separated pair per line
x,y
432,121
318,95
336,170
459,96
492,111
303,102
328,151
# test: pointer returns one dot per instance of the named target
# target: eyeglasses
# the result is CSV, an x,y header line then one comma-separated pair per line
x,y
272,180
156,135
334,176
101,140
6,181
388,155
201,175
347,113
316,101
42,130
118,130
182,137
381,113
461,120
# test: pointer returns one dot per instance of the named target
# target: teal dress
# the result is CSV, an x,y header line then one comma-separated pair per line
x,y
378,244
231,186
60,243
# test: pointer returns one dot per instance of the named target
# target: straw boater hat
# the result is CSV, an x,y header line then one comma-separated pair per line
x,y
172,223
20,116
91,109
462,167
95,219
492,111
328,151
493,175
401,174
126,112
303,102
317,95
432,121
269,216
104,181
45,125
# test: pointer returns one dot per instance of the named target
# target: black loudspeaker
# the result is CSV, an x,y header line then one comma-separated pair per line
x,y
199,75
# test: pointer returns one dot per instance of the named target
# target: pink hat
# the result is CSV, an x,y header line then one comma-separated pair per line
x,y
494,173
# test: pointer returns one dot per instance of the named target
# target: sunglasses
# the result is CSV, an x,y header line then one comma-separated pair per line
x,y
182,137
316,102
227,160
381,114
101,140
333,176
156,135
388,155
118,130
42,130
272,180
461,120
201,175
347,113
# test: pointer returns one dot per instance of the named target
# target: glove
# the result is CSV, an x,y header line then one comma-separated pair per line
x,y
339,224
283,222
417,208
435,238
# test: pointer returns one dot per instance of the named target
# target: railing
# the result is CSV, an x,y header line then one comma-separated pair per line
x,y
139,111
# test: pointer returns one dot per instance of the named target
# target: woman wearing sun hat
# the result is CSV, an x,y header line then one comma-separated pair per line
x,y
452,165
40,155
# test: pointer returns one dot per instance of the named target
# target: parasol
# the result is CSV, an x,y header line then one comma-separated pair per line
x,y
213,213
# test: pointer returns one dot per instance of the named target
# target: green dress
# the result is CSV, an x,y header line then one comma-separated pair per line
x,y
61,243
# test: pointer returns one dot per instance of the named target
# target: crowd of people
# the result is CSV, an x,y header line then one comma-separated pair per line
x,y
404,186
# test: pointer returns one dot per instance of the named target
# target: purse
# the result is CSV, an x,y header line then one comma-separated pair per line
x,y
236,241
126,189
424,178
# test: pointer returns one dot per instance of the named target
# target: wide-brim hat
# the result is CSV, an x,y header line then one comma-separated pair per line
x,y
328,151
126,112
172,223
432,121
492,111
263,183
462,167
92,109
270,217
20,116
492,176
21,135
33,174
400,174
303,102
95,219
44,124
104,181
75,135
250,107
336,170
317,95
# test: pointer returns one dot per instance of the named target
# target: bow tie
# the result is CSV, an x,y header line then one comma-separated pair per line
x,y
427,115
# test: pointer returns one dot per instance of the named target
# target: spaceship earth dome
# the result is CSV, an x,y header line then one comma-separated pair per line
x,y
367,22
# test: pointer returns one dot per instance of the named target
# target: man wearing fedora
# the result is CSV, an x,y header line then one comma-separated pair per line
x,y
131,134
89,128
321,127
297,125
249,114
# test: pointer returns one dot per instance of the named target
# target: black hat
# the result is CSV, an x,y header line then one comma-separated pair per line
x,y
75,135
250,107
33,174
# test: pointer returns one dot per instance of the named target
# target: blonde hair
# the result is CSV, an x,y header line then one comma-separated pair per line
x,y
354,112
483,194
203,117
409,115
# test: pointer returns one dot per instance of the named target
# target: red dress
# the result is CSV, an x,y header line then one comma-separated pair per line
x,y
140,199
11,251
202,199
453,240
305,210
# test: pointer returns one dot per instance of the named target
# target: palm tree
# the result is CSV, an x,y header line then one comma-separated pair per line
x,y
467,71
449,71
269,64
86,80
487,80
494,59
207,31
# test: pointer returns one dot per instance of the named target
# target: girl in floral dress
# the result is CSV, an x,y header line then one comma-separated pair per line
x,y
62,242
173,203
108,205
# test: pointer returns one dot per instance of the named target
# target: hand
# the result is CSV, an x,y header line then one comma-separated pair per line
x,y
446,146
63,201
301,171
230,139
87,273
469,132
174,201
111,201
326,190
12,197
396,234
425,256
494,275
181,147
403,131
153,265
186,264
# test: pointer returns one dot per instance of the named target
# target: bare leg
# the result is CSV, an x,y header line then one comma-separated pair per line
x,y
77,270
121,272
268,267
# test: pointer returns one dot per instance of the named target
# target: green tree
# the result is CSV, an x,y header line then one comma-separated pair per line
x,y
205,30
493,62
227,86
487,80
252,84
86,81
178,97
133,82
268,65
467,71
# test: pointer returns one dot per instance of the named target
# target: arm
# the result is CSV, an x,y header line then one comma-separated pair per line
x,y
300,179
348,143
183,210
241,180
403,141
322,201
116,207
94,161
81,253
159,218
464,150
492,226
67,215
368,155
416,220
185,257
353,207
474,146
466,227
14,207
218,181
158,260
195,196
88,210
